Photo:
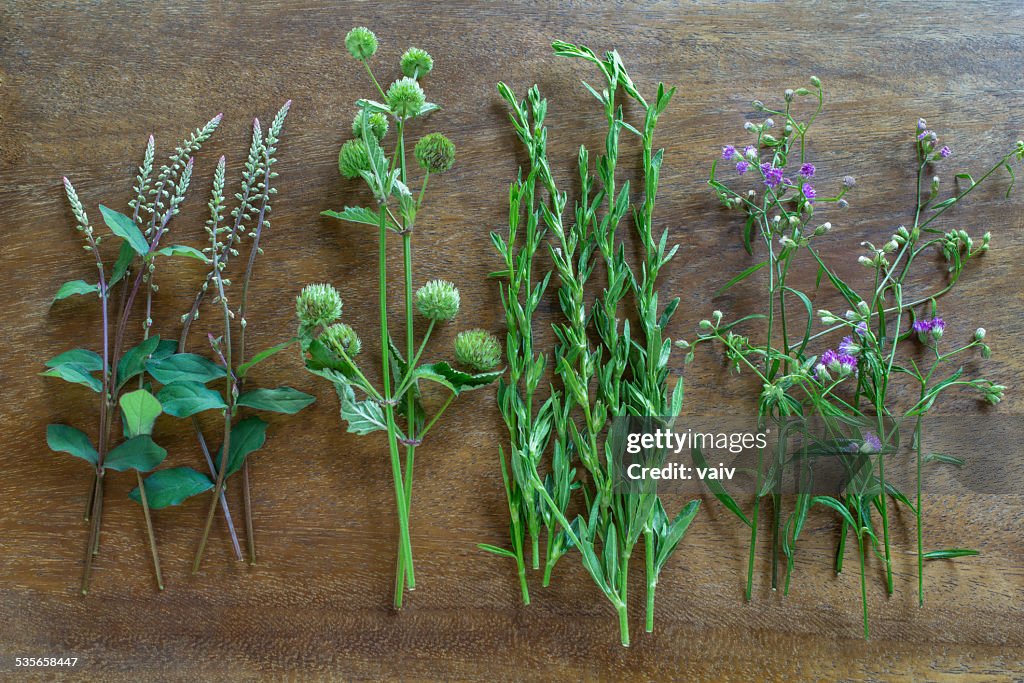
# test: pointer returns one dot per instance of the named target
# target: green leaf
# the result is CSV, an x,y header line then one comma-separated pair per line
x,y
183,250
76,374
125,228
184,367
950,553
244,368
363,417
247,436
357,214
496,550
742,276
810,317
184,399
837,506
84,358
65,439
941,457
140,410
280,400
73,288
676,530
456,380
172,486
138,453
133,362
715,486
124,261
165,348
324,363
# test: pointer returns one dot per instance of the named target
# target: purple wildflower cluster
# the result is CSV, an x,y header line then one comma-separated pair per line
x,y
930,138
730,153
839,362
807,170
772,175
869,444
849,347
809,192
929,327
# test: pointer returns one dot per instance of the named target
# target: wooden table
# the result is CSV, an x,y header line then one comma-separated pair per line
x,y
84,84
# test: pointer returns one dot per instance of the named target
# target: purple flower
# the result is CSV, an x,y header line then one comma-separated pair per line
x,y
807,170
923,134
748,150
922,326
933,327
862,328
945,152
728,152
938,325
872,443
847,362
849,347
772,176
809,192
849,181
921,124
742,167
829,358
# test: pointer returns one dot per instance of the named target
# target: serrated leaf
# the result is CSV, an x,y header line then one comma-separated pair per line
x,y
281,400
362,417
172,486
138,453
85,359
184,250
140,410
125,228
76,374
133,362
65,439
74,288
456,380
184,367
184,399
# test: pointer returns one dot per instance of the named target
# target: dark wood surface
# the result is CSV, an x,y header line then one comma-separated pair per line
x,y
83,84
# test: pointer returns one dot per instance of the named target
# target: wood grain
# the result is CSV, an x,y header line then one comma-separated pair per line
x,y
83,84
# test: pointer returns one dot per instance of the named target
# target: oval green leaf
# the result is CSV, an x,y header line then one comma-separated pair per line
x,y
172,486
65,439
184,367
184,399
140,410
74,288
133,362
125,228
87,360
280,400
138,453
76,374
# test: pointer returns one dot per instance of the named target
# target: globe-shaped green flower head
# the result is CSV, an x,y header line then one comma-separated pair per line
x,y
416,63
435,153
375,121
405,97
478,349
361,42
353,158
342,340
318,304
438,300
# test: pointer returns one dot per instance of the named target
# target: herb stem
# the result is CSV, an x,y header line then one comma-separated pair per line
x,y
149,530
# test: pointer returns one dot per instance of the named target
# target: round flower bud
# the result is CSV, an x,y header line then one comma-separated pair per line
x,y
438,300
375,121
405,97
416,63
478,349
849,181
435,153
361,42
815,81
342,340
318,304
353,158
979,333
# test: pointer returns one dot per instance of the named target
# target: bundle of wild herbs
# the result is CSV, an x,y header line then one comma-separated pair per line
x,y
330,348
122,373
621,374
852,387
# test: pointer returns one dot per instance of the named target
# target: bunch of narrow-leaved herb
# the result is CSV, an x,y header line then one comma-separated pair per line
x,y
156,202
330,348
621,375
185,375
850,389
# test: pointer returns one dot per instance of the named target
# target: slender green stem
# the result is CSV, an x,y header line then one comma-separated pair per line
x,y
652,577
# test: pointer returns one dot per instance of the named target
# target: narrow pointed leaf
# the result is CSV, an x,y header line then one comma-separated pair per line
x,y
125,228
74,288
